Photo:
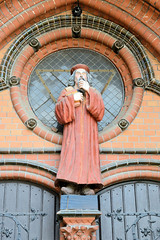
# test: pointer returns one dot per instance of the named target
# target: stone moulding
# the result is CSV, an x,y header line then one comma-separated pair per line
x,y
3,84
29,170
154,86
117,171
130,162
29,163
106,26
101,150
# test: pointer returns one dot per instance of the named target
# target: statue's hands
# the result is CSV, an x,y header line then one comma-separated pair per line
x,y
78,96
84,85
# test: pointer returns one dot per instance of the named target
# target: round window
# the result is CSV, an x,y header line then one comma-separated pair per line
x,y
51,76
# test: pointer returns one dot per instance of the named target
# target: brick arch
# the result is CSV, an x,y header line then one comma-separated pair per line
x,y
62,39
28,173
135,21
24,15
27,60
98,24
41,7
142,12
130,173
132,20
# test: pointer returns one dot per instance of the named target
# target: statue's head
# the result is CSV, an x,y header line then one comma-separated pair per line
x,y
79,71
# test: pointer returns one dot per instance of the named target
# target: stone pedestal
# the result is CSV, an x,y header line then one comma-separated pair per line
x,y
78,214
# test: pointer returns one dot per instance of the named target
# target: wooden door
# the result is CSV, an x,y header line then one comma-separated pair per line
x,y
27,212
130,211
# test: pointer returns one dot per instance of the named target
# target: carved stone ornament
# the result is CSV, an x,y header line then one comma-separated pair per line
x,y
13,81
123,124
79,232
31,123
35,44
76,31
117,46
138,82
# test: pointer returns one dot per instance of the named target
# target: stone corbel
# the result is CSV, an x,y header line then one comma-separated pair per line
x,y
14,81
35,44
117,46
123,124
81,230
139,82
78,214
31,123
76,31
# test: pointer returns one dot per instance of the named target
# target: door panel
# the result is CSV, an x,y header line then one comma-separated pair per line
x,y
130,211
27,212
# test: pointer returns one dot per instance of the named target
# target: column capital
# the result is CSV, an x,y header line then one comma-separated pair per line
x,y
79,232
79,213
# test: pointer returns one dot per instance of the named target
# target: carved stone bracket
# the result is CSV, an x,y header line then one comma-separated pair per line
x,y
77,232
117,46
138,82
31,123
35,44
14,81
79,215
123,124
76,31
79,228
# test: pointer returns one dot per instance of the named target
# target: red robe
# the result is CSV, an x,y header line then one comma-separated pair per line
x,y
79,161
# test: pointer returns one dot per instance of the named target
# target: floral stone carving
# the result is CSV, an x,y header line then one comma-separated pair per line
x,y
78,232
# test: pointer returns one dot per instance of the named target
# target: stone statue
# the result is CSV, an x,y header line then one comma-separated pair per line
x,y
79,108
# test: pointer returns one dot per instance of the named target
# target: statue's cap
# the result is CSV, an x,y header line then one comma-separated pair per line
x,y
77,66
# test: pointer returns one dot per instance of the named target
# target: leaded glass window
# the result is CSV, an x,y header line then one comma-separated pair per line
x,y
51,76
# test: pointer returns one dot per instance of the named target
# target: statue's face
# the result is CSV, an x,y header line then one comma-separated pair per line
x,y
80,73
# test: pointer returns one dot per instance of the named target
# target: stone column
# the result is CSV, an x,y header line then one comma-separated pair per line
x,y
78,214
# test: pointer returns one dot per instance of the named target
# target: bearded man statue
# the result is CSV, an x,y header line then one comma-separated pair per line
x,y
79,108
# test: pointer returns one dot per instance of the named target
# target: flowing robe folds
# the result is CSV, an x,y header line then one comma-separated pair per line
x,y
79,161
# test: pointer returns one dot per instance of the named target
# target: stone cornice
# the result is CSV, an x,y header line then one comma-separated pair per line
x,y
101,150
